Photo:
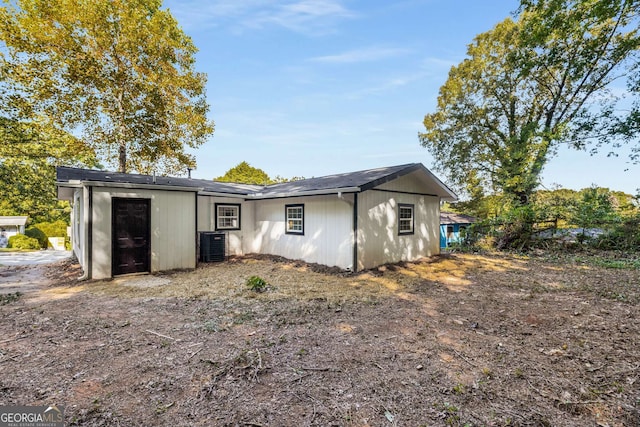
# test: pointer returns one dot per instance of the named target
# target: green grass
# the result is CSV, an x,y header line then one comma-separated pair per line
x,y
602,259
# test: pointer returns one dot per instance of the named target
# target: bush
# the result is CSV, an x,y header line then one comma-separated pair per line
x,y
21,241
257,284
43,230
624,236
38,235
53,229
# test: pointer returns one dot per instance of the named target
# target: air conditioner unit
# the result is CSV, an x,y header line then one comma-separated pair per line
x,y
212,247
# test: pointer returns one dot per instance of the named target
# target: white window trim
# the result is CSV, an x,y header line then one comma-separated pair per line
x,y
218,206
401,220
288,220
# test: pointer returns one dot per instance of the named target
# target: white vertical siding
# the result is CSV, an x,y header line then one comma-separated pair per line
x,y
173,221
378,239
238,242
328,230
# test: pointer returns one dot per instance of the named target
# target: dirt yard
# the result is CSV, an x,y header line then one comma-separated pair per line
x,y
457,340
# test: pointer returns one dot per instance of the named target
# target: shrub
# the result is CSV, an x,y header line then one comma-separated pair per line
x,y
39,235
43,230
53,229
624,236
21,241
257,284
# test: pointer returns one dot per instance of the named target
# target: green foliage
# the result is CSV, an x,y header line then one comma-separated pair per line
x,y
610,42
257,284
624,236
552,212
594,209
526,87
244,173
53,229
21,241
39,235
120,71
9,298
43,230
28,156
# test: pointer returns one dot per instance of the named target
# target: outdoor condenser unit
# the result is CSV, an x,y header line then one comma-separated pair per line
x,y
212,247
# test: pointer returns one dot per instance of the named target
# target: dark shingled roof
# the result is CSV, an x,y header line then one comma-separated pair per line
x,y
360,180
365,178
65,174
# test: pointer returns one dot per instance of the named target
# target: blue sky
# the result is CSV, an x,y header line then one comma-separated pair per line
x,y
316,87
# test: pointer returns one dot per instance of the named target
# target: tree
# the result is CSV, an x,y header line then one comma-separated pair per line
x,y
244,173
528,86
120,72
28,155
594,209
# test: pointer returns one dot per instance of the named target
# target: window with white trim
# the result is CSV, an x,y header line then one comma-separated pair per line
x,y
405,218
294,219
227,217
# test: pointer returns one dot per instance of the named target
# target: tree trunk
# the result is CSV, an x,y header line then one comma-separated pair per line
x,y
122,157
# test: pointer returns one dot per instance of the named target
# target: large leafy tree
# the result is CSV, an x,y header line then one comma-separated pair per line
x,y
121,72
28,155
527,86
244,173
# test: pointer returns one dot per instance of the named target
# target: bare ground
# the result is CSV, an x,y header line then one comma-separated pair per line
x,y
458,340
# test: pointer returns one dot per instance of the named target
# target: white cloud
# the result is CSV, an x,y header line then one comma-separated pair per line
x,y
362,55
310,17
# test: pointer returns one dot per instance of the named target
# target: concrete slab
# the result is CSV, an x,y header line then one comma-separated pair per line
x,y
32,258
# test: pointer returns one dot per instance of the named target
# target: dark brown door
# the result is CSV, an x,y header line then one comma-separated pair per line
x,y
131,231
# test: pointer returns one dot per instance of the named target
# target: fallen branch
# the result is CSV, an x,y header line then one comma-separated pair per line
x,y
195,352
158,334
464,358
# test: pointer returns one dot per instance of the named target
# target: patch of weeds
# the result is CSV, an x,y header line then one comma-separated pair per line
x,y
211,326
257,284
632,264
450,414
487,372
518,373
618,387
240,318
459,389
9,298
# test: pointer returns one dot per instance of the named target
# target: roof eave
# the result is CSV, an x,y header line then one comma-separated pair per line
x,y
128,185
326,191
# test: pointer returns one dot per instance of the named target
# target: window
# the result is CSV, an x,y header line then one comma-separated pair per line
x,y
405,219
294,219
227,217
449,231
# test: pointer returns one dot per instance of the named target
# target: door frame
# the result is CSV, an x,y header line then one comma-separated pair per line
x,y
114,240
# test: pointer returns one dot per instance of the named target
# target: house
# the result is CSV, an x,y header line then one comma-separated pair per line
x,y
12,225
126,223
453,227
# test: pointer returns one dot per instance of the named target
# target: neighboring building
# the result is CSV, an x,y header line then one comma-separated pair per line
x,y
453,227
125,223
12,225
